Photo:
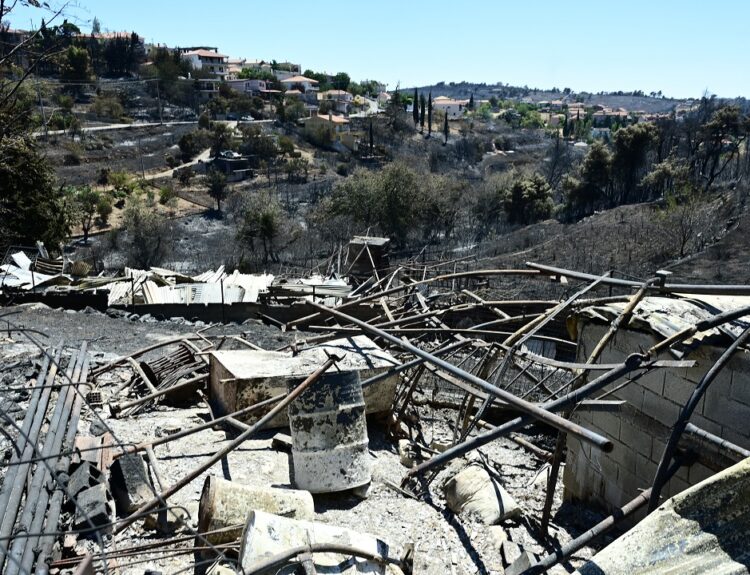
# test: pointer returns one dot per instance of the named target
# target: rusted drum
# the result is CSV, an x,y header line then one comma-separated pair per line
x,y
329,435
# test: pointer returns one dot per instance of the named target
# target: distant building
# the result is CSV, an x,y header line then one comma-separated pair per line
x,y
208,88
207,60
252,87
302,83
340,99
453,108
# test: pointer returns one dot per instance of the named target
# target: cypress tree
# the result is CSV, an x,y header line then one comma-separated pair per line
x,y
429,114
415,108
471,102
445,128
422,107
371,137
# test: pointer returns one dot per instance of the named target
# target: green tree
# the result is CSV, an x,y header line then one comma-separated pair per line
x,y
85,201
528,200
446,130
75,65
148,233
591,190
341,81
264,221
32,208
471,102
217,187
632,146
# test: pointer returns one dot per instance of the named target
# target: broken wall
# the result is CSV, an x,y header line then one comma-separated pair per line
x,y
640,429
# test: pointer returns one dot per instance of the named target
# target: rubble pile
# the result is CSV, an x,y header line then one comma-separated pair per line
x,y
405,421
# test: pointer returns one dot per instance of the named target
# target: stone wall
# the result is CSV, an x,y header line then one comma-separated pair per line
x,y
640,429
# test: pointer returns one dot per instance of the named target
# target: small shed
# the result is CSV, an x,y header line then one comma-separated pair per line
x,y
368,256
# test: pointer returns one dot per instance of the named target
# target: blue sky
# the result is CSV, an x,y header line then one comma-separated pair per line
x,y
682,48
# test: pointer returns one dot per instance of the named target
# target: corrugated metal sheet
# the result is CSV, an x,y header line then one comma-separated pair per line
x,y
667,316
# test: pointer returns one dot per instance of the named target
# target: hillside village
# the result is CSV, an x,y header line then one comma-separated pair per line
x,y
259,318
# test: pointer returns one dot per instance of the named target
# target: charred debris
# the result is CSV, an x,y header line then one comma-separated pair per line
x,y
413,422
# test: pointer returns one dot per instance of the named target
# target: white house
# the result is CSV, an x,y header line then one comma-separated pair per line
x,y
300,81
247,86
452,108
208,60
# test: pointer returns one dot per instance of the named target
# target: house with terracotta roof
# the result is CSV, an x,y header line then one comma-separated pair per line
x,y
301,83
207,60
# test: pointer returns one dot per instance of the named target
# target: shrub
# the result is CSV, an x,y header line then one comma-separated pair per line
x,y
166,195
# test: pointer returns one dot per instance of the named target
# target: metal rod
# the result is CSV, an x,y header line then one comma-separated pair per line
x,y
597,530
37,497
45,542
660,478
120,407
666,288
15,479
219,455
404,287
726,447
534,410
633,362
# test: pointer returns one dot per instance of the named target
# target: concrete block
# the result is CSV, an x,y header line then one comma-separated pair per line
x,y
521,564
129,483
608,423
741,387
625,458
678,389
94,508
729,413
613,495
657,449
660,408
653,381
610,466
632,393
645,469
635,438
709,425
86,475
698,472
629,484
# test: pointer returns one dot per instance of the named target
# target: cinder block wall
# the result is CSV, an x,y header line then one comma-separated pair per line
x,y
639,431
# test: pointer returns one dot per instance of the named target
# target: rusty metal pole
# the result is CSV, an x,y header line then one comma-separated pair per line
x,y
219,455
532,409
